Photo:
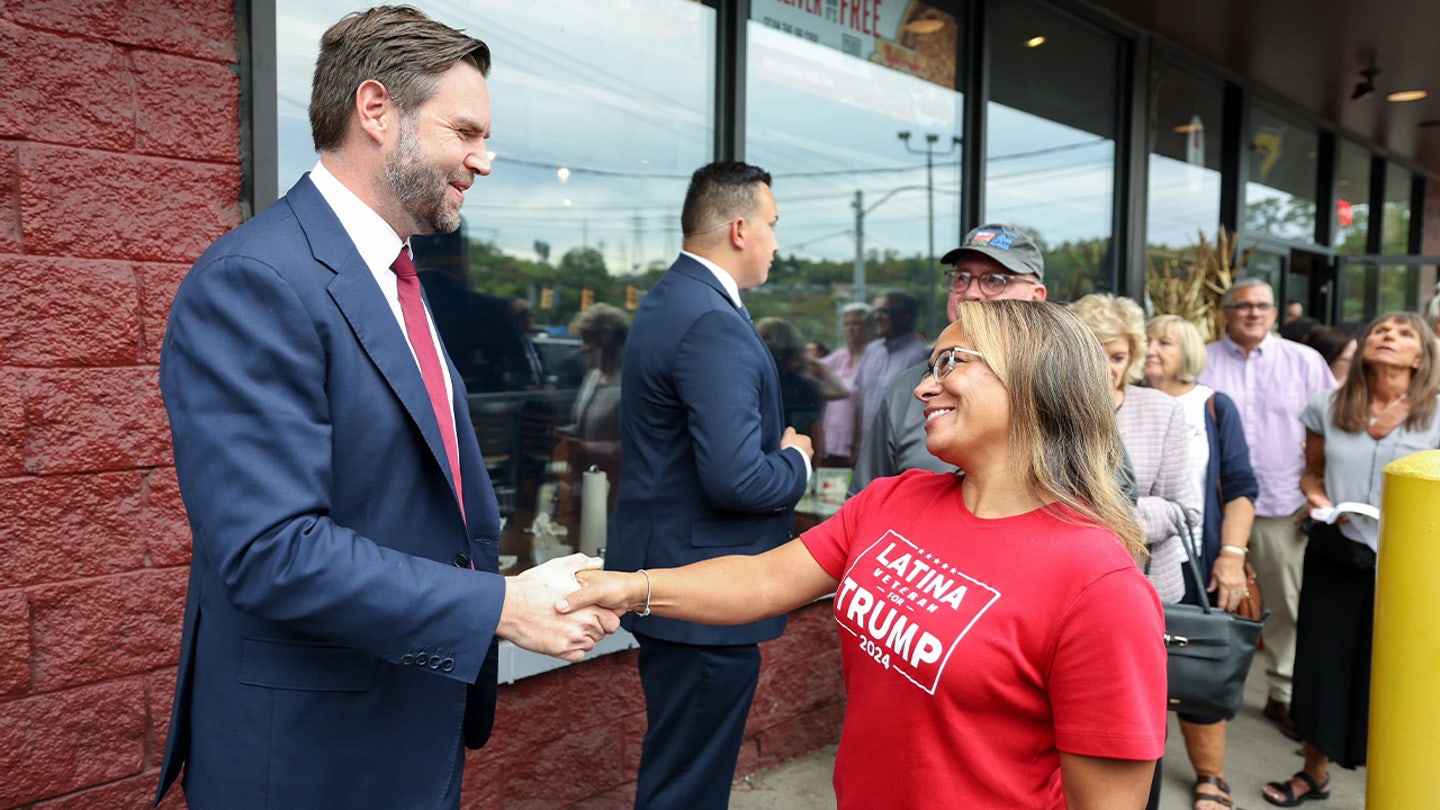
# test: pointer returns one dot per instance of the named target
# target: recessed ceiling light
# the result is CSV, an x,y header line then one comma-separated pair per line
x,y
1407,95
1034,42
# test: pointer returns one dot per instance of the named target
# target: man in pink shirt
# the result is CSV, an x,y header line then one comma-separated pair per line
x,y
1270,379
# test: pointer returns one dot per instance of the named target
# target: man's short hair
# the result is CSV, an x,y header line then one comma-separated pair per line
x,y
1229,297
720,192
903,301
397,46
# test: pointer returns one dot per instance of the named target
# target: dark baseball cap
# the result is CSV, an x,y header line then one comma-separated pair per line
x,y
1012,248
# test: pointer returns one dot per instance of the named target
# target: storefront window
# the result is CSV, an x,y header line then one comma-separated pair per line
x,y
1395,233
1399,284
1280,190
1184,191
1050,136
601,110
843,100
1352,200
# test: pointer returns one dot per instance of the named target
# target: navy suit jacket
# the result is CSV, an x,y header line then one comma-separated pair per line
x,y
703,474
334,654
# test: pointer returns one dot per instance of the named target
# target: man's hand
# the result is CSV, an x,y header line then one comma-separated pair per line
x,y
529,619
797,440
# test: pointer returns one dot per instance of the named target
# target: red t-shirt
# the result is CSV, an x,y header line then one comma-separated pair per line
x,y
975,650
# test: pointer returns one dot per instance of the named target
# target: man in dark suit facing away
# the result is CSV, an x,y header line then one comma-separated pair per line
x,y
339,647
709,470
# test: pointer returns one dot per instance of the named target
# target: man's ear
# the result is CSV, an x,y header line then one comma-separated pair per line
x,y
737,233
372,110
1040,292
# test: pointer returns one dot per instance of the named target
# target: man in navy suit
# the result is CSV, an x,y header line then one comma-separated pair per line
x,y
709,470
339,647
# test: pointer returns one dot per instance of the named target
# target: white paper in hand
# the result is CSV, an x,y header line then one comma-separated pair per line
x,y
1332,513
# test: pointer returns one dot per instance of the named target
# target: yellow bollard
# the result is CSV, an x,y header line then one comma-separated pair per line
x,y
1405,670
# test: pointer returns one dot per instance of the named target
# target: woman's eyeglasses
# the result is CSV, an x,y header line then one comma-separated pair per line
x,y
947,360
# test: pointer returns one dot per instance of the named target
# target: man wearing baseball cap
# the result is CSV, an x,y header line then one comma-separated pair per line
x,y
994,261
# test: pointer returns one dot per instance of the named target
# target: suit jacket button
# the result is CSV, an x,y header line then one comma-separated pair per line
x,y
434,662
407,659
420,659
461,561
447,665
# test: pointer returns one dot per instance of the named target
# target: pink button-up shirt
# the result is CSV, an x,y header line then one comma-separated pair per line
x,y
1271,386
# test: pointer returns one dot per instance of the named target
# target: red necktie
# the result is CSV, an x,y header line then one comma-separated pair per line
x,y
418,329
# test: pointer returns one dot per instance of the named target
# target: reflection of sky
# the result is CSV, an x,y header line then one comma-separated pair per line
x,y
1054,180
1184,200
620,92
825,125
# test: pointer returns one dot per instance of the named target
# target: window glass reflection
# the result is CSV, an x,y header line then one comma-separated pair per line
x,y
826,102
1280,191
1050,139
1184,190
1398,286
1352,200
1395,234
601,109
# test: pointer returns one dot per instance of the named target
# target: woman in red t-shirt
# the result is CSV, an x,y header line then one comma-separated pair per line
x,y
1000,646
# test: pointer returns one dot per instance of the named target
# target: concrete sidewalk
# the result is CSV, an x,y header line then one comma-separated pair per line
x,y
1257,753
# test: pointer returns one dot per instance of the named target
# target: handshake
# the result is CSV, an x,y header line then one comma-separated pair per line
x,y
530,618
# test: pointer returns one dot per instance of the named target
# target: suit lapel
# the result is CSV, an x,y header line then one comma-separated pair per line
x,y
363,305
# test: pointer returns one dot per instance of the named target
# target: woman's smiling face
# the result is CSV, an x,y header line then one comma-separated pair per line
x,y
967,410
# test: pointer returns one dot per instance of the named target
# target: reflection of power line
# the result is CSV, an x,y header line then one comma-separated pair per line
x,y
1049,150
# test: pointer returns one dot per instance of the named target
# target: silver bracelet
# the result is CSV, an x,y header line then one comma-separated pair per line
x,y
646,611
1243,552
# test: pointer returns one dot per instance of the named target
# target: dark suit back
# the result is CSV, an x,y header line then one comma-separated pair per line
x,y
700,423
330,641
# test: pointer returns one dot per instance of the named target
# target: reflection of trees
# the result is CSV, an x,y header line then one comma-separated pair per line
x,y
495,272
1283,216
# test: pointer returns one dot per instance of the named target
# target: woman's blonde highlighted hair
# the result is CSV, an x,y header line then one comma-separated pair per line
x,y
1063,430
1114,318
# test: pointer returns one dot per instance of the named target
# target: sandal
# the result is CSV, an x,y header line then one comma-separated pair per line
x,y
1318,792
1222,798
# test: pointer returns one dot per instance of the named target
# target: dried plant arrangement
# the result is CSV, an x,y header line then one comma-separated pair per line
x,y
1192,288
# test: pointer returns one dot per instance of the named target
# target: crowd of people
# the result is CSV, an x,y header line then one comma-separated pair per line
x,y
1021,486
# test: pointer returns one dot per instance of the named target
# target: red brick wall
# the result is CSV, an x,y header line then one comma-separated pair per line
x,y
119,163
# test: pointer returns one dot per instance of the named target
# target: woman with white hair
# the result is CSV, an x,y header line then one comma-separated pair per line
x,y
838,442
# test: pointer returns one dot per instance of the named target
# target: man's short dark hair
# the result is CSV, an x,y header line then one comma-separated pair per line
x,y
397,46
903,301
720,193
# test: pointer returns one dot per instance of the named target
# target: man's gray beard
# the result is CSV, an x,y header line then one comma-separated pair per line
x,y
419,188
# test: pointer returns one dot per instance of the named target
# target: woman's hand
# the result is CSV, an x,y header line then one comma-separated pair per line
x,y
1228,576
613,590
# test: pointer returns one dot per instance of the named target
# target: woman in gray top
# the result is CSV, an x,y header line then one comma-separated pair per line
x,y
1383,410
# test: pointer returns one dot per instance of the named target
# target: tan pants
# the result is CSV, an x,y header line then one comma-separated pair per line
x,y
1277,550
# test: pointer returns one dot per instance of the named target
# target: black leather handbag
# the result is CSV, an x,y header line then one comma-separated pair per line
x,y
1208,650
